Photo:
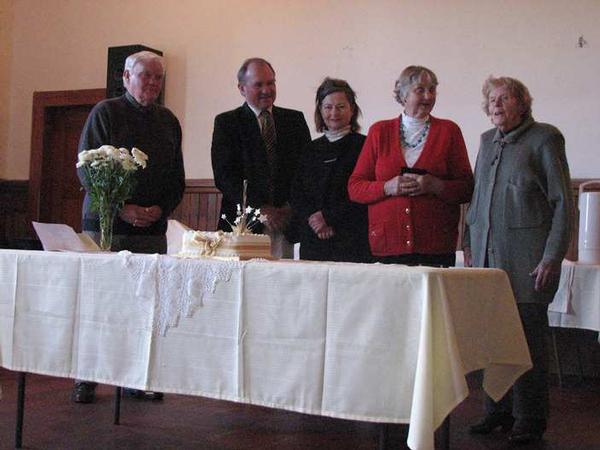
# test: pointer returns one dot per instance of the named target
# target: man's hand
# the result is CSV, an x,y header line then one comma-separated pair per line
x,y
317,222
319,226
277,219
467,257
546,273
140,216
326,233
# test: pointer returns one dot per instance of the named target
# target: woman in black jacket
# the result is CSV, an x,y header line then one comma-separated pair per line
x,y
331,227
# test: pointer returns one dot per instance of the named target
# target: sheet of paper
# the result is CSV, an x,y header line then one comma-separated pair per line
x,y
175,230
88,243
61,237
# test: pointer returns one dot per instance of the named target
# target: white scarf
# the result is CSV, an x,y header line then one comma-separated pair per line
x,y
333,136
413,128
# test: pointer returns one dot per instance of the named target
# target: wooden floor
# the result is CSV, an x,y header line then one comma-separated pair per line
x,y
52,421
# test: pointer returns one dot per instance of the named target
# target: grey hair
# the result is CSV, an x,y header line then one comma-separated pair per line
x,y
143,57
408,78
241,75
514,86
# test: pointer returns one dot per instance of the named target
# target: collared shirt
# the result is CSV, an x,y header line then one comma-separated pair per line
x,y
257,112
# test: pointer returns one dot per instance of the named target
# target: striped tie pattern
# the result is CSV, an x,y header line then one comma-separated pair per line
x,y
268,132
270,139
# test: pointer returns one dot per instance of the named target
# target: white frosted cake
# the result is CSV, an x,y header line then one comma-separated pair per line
x,y
196,244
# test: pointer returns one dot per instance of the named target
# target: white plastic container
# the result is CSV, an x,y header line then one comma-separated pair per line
x,y
589,224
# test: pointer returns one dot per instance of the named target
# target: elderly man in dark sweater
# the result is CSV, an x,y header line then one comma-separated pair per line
x,y
136,120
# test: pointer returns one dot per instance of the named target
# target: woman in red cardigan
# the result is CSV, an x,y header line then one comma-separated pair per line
x,y
413,173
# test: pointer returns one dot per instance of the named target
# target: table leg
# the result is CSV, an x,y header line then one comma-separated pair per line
x,y
117,409
392,436
20,410
384,436
556,357
579,360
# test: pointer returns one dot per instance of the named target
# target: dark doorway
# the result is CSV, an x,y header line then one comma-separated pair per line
x,y
58,118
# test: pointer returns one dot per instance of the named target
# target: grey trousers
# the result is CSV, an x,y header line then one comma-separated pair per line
x,y
528,398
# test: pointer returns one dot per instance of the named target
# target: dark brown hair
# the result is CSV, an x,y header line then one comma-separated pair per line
x,y
329,86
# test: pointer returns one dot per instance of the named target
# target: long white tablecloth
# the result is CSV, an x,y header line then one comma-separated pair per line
x,y
577,301
380,343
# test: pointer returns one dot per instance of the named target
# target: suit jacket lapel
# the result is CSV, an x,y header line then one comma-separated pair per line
x,y
250,130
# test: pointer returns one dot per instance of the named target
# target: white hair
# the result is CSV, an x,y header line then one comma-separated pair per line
x,y
143,57
409,77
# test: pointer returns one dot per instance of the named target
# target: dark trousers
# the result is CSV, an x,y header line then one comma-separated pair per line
x,y
135,243
527,400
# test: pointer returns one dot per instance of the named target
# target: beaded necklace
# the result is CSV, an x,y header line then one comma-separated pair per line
x,y
419,139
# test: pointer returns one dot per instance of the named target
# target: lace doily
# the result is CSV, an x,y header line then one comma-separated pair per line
x,y
176,285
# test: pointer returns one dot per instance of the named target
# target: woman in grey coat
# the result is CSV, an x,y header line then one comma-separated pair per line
x,y
519,221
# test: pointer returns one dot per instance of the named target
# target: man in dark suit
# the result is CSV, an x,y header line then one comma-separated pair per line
x,y
261,143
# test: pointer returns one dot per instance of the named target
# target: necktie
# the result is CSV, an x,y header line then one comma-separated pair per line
x,y
268,132
270,140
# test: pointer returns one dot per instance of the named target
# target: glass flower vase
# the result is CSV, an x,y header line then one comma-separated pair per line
x,y
106,219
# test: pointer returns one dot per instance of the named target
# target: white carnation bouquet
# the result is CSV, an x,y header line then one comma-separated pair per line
x,y
108,173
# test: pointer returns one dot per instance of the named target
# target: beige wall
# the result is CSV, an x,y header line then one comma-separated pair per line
x,y
62,44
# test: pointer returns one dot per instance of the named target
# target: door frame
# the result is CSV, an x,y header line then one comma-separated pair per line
x,y
42,101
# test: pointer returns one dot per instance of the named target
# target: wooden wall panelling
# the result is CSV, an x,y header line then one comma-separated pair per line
x,y
199,208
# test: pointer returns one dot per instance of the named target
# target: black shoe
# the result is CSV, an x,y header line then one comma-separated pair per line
x,y
490,422
525,432
84,392
142,395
